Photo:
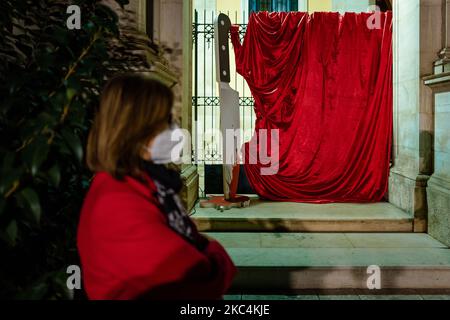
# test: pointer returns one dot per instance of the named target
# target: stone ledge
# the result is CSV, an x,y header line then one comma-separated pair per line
x,y
437,79
300,217
292,278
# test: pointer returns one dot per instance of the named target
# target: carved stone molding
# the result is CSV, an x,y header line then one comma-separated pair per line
x,y
168,59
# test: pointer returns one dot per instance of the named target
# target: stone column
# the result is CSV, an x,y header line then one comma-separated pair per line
x,y
173,33
414,53
438,190
189,172
170,60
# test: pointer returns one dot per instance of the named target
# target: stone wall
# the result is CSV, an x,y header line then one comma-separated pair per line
x,y
438,191
417,29
173,32
168,57
439,185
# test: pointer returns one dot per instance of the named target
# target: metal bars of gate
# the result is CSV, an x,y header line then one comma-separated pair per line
x,y
205,99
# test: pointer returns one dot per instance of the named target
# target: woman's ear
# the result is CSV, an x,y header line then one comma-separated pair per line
x,y
145,151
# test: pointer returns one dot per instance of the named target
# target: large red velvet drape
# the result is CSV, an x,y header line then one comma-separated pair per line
x,y
325,81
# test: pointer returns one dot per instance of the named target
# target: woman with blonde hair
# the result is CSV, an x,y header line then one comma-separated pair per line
x,y
135,239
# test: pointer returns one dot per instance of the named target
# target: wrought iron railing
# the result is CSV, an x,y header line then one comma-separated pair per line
x,y
205,99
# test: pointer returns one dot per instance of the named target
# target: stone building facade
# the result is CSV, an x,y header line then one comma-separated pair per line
x,y
161,36
420,176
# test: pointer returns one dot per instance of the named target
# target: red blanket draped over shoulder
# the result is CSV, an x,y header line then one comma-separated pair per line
x,y
128,250
325,82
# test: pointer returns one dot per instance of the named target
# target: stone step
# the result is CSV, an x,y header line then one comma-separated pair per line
x,y
344,295
265,216
299,261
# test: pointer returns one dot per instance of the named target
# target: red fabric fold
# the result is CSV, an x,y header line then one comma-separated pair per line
x,y
325,82
128,251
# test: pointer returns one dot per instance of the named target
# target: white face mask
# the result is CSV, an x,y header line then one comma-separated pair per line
x,y
167,147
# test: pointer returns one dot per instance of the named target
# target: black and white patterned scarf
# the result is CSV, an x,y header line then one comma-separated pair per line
x,y
168,184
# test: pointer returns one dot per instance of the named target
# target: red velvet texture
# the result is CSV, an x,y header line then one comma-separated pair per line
x,y
324,80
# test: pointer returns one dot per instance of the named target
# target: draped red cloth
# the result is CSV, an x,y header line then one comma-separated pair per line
x,y
325,81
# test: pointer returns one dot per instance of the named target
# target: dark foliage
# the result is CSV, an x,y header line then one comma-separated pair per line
x,y
50,78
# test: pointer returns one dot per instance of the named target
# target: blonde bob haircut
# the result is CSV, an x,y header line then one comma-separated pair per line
x,y
134,108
